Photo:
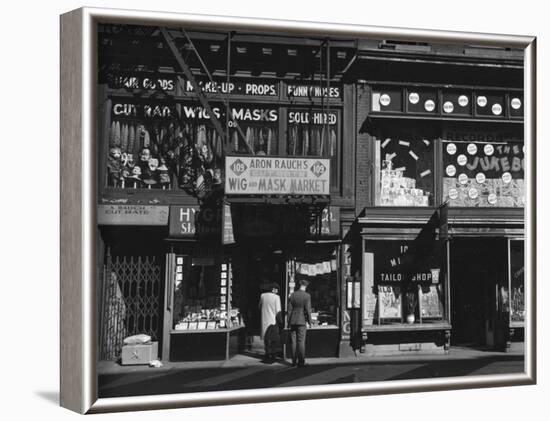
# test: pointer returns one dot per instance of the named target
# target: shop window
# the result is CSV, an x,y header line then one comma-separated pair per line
x,y
259,139
314,132
403,282
318,266
202,296
176,146
517,281
483,174
404,170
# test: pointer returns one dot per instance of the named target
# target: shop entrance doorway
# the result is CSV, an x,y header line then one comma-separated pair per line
x,y
257,266
478,269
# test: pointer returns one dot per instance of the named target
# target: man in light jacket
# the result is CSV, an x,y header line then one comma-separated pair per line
x,y
270,307
299,318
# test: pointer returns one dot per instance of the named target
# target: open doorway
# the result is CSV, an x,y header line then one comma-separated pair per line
x,y
255,268
478,269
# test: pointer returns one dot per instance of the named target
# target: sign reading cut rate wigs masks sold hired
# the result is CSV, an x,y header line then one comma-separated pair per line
x,y
280,176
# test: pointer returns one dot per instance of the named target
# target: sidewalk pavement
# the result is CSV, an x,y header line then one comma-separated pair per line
x,y
249,372
251,360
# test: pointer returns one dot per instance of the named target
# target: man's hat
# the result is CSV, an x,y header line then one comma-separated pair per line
x,y
304,282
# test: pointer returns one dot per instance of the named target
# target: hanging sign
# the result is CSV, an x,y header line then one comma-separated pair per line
x,y
132,215
193,221
227,231
279,176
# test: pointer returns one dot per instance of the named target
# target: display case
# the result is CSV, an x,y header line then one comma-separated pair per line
x,y
205,324
202,300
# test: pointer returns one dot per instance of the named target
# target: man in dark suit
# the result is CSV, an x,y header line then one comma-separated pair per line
x,y
299,318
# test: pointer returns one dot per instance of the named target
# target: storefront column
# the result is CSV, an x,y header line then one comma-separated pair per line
x,y
168,304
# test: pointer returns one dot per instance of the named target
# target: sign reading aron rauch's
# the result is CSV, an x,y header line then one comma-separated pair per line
x,y
270,175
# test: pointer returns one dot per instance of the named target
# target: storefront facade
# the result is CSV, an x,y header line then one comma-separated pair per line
x,y
440,225
220,185
296,164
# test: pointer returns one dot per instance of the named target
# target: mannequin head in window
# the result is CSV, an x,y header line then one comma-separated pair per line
x,y
145,155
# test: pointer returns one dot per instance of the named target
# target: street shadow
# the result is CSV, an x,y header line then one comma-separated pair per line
x,y
49,396
440,369
265,376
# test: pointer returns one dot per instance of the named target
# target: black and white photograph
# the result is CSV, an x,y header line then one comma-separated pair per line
x,y
297,209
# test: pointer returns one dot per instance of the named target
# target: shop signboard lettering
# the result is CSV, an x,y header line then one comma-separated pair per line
x,y
193,221
127,109
312,117
238,113
236,87
313,91
188,111
395,262
503,157
111,214
150,82
492,170
247,175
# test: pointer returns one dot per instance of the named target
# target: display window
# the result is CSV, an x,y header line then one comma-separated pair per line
x,y
259,139
317,264
203,294
175,146
315,132
483,174
404,170
403,282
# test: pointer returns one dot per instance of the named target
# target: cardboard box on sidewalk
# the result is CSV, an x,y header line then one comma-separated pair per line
x,y
139,353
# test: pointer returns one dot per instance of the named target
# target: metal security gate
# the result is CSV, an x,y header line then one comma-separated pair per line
x,y
131,304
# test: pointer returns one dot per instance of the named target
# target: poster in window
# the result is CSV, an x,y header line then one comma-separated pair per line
x,y
431,301
389,302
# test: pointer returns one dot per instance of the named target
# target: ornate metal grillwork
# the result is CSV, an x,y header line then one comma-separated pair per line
x,y
132,295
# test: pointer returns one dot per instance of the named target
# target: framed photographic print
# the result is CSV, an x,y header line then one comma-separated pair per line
x,y
295,200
